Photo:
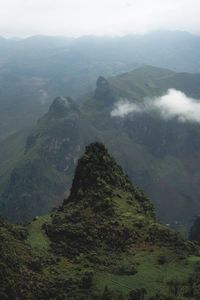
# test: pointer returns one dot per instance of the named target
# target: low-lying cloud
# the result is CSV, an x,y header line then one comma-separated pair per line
x,y
174,104
123,107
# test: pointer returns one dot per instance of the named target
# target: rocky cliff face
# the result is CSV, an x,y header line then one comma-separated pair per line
x,y
44,173
104,91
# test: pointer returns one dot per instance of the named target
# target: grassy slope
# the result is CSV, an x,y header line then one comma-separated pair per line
x,y
11,151
36,237
142,82
142,255
108,264
150,274
148,81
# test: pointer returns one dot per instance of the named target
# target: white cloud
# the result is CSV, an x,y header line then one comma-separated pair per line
x,y
123,107
174,104
100,17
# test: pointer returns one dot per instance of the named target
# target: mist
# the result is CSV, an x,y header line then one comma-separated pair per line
x,y
123,107
173,105
105,17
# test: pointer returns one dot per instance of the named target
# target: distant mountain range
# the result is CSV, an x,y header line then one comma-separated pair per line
x,y
160,152
35,70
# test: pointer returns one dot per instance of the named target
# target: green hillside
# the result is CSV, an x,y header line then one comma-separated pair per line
x,y
151,81
11,150
103,242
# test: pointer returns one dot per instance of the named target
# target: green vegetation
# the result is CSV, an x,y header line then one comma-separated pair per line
x,y
102,243
36,236
43,172
11,151
150,274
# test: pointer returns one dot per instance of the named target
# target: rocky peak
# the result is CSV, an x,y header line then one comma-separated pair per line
x,y
98,178
61,106
105,213
96,169
103,91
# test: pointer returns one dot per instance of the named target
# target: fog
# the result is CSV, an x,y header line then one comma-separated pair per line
x,y
105,17
174,104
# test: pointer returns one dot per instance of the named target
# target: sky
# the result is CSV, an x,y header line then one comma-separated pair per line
x,y
97,17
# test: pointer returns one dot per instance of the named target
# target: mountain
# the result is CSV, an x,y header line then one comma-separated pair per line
x,y
194,234
44,171
160,155
35,70
42,174
99,195
103,242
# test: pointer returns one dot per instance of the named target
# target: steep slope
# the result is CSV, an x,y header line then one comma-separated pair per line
x,y
29,273
103,199
102,243
44,172
16,263
160,155
11,150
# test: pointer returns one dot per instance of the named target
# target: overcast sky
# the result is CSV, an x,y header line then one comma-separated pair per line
x,y
100,17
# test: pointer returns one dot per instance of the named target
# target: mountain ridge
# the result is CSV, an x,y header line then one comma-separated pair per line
x,y
36,70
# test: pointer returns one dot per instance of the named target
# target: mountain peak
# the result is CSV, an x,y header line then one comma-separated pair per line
x,y
95,169
103,91
98,177
105,213
101,195
102,82
61,106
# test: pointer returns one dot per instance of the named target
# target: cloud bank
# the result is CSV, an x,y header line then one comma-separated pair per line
x,y
173,105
